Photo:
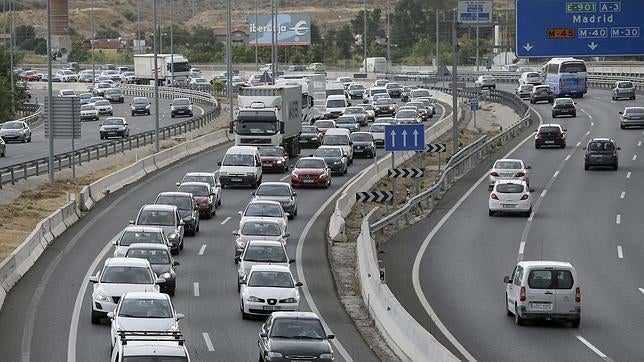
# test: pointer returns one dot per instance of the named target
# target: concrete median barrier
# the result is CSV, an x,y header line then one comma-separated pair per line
x,y
70,214
56,223
171,155
149,164
85,199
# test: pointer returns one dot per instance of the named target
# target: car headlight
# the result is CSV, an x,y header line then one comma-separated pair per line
x,y
254,299
147,106
288,300
240,243
250,174
326,355
337,162
274,355
279,162
100,297
188,219
294,175
223,173
173,327
173,236
166,275
172,108
314,138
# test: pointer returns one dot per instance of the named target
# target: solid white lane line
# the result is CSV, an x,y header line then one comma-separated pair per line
x,y
587,133
568,157
639,143
543,193
592,348
521,247
634,157
206,338
578,144
621,196
628,174
196,286
285,177
556,174
226,220
620,254
17,156
203,248
618,219
641,290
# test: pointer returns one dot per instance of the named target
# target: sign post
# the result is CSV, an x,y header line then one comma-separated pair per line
x,y
474,106
578,28
403,137
66,123
438,148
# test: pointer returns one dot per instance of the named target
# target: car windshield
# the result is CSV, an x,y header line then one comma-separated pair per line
x,y
509,188
310,163
327,152
526,87
102,103
236,159
324,124
12,125
273,190
354,110
68,93
624,85
345,120
384,101
112,91
297,328
550,279
127,275
541,89
634,111
140,101
356,87
270,279
255,228
195,190
263,210
335,103
309,129
508,165
418,105
392,85
335,140
265,253
419,93
156,217
181,202
181,102
85,96
155,358
377,129
406,114
271,151
145,308
154,256
564,101
133,237
113,122
361,137
199,178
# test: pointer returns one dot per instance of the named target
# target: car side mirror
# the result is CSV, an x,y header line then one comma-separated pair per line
x,y
506,279
110,315
350,143
177,184
620,112
240,213
125,124
93,279
531,189
330,336
263,335
243,281
131,222
114,242
160,280
528,167
294,194
175,263
181,222
236,233
219,163
291,261
619,148
299,284
238,259
180,316
286,235
584,148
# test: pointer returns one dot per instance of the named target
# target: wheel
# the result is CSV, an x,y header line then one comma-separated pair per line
x,y
615,166
148,113
197,229
172,115
2,154
574,114
529,212
29,139
181,245
290,216
24,139
490,212
132,114
507,311
171,292
622,126
96,317
536,146
244,314
575,323
295,212
554,115
517,318
563,145
586,167
633,97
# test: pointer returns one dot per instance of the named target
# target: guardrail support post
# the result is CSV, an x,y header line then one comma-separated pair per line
x,y
13,180
24,171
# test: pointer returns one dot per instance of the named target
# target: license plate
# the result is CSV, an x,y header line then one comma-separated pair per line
x,y
271,307
508,206
541,306
236,179
304,141
266,163
549,142
309,181
359,150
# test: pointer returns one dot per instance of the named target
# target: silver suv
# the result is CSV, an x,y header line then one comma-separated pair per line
x,y
623,89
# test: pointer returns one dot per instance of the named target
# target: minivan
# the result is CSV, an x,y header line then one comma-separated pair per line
x,y
340,137
543,290
241,166
335,106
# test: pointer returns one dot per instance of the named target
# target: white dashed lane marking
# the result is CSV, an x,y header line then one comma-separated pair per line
x,y
206,338
201,251
634,157
521,247
567,157
628,174
556,174
621,196
543,193
618,219
592,348
226,220
620,254
196,286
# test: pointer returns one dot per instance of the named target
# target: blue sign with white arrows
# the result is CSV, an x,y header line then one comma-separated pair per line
x,y
558,28
404,137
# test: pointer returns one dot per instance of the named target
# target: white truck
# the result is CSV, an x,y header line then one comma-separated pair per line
x,y
144,68
374,65
316,88
269,116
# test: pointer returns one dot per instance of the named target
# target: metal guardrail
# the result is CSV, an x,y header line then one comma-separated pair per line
x,y
23,170
31,114
459,164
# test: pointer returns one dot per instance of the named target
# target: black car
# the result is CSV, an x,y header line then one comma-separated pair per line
x,y
289,336
384,106
310,137
181,106
3,148
274,158
363,144
550,135
601,152
114,95
140,105
563,106
542,93
161,262
187,208
356,91
334,158
394,89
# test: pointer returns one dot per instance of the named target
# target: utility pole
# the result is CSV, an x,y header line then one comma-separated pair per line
x,y
92,46
437,61
229,60
256,42
172,45
454,87
273,40
156,77
388,36
50,113
477,38
364,38
12,48
138,27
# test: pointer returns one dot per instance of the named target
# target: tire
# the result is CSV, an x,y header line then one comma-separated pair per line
x,y
563,145
96,317
24,139
507,311
575,323
172,115
148,113
132,114
29,139
2,154
536,146
244,314
574,115
615,166
490,212
171,292
181,245
517,318
529,212
622,126
554,115
295,212
586,167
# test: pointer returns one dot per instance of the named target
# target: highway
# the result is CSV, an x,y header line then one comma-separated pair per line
x,y
456,259
39,145
55,322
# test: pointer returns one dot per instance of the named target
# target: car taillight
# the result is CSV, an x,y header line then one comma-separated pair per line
x,y
522,294
494,173
493,196
520,174
578,295
615,153
524,197
539,136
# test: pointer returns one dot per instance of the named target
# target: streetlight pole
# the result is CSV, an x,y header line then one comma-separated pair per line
x,y
12,48
256,35
388,36
273,40
229,61
50,111
364,38
477,38
454,88
437,59
156,78
172,45
92,45
138,26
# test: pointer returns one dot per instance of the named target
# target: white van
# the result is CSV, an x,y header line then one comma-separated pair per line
x,y
543,290
241,166
335,106
335,89
374,65
340,137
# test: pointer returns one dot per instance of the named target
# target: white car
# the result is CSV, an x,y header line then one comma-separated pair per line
x,y
260,252
510,196
199,81
67,75
133,234
127,77
485,81
104,107
258,229
377,131
264,209
407,116
508,169
88,113
118,276
99,88
533,78
543,290
368,109
143,311
269,288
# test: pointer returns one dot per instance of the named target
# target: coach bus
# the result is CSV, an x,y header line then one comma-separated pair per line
x,y
566,77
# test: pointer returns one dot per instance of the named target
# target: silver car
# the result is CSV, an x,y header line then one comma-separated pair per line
x,y
508,169
15,131
280,192
258,229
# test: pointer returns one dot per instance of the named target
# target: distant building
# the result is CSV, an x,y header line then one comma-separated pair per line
x,y
108,46
237,36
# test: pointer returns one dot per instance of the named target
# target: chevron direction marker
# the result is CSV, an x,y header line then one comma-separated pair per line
x,y
405,172
436,147
374,196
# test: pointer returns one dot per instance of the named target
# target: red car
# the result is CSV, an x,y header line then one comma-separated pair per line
x,y
311,171
324,125
274,158
203,196
29,76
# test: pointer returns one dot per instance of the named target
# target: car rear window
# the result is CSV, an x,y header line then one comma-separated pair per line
x,y
549,130
512,165
550,279
625,85
601,146
635,110
509,188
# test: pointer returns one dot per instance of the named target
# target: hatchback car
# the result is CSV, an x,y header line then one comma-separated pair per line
x,y
420,107
334,157
264,210
543,290
542,93
359,113
377,131
563,106
623,89
268,288
631,116
510,196
188,209
133,234
15,131
394,89
166,217
532,78
274,158
280,192
161,262
363,144
140,105
550,135
181,106
324,125
524,90
485,81
348,122
3,148
601,152
292,335
509,169
114,127
259,252
205,198
311,171
310,137
84,98
114,95
258,229
369,111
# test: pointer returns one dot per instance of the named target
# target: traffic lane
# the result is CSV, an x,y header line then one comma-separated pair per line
x,y
39,146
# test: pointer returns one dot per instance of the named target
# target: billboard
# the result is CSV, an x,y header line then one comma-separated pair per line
x,y
475,12
293,29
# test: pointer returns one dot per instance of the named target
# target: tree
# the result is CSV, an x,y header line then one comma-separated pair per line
x,y
25,34
344,41
374,24
107,34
